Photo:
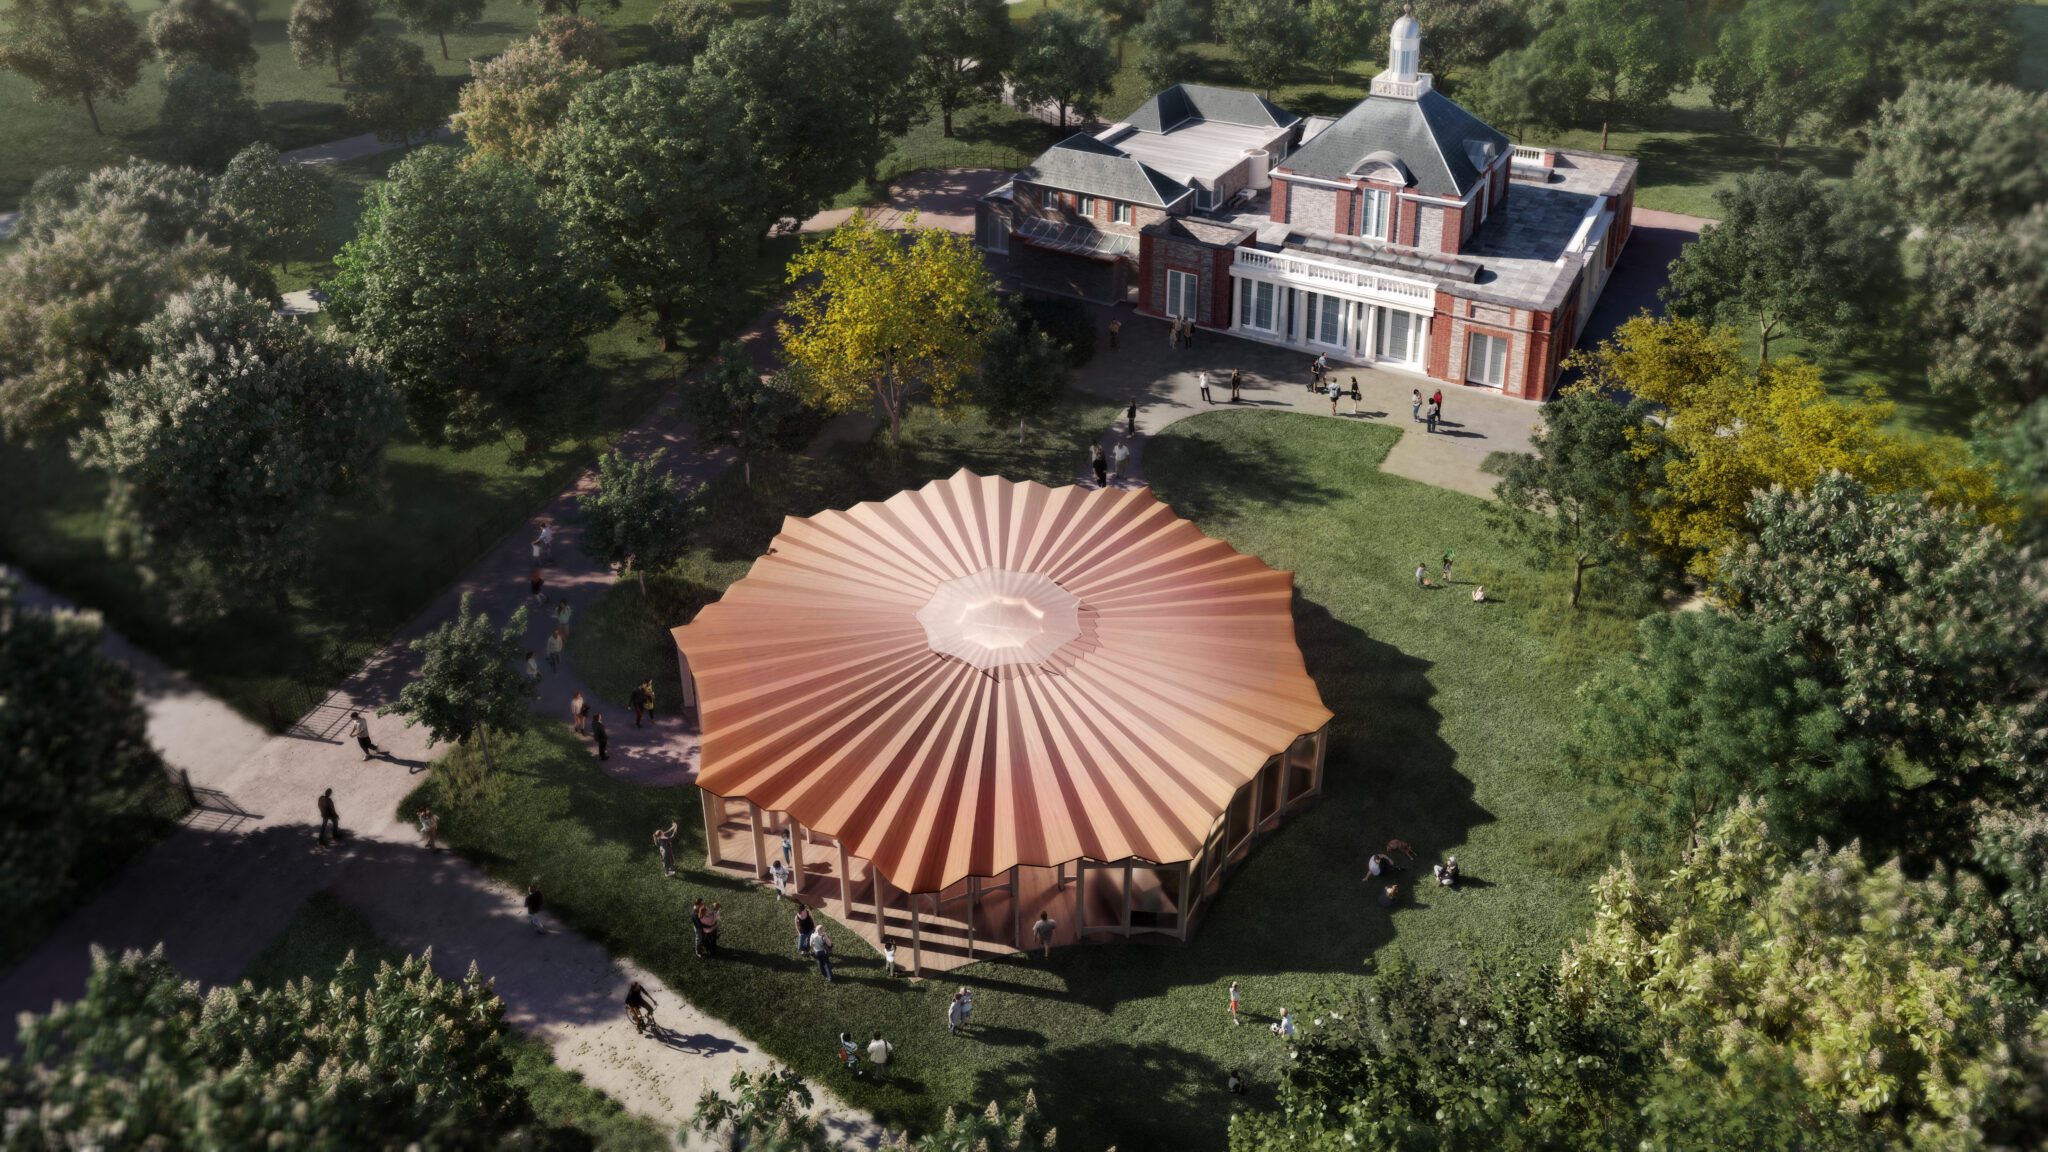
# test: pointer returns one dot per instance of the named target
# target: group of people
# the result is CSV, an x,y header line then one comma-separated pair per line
x,y
1380,867
1180,332
1236,385
1422,579
1432,414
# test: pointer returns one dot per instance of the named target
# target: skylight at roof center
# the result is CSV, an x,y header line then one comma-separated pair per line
x,y
998,617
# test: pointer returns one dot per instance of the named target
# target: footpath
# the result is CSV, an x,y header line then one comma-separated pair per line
x,y
221,889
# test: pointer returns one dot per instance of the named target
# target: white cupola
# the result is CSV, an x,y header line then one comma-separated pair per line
x,y
1404,78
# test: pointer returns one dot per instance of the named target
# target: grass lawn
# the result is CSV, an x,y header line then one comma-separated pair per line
x,y
325,931
1449,715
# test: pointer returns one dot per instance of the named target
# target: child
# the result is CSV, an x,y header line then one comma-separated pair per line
x,y
1234,1018
1284,1027
849,1053
888,956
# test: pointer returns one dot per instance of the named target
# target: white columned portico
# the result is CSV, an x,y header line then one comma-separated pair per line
x,y
1365,298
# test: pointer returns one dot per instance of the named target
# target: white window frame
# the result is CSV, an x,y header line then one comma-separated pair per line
x,y
1248,307
1182,292
1085,206
1489,353
1375,212
998,238
1048,199
1381,350
1120,212
1324,308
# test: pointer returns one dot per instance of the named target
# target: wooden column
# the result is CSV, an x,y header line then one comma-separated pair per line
x,y
973,898
796,858
1322,751
711,807
1181,910
1127,898
845,887
916,939
1080,897
1016,910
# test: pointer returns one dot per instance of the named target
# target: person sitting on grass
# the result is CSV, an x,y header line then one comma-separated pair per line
x,y
1479,594
1447,872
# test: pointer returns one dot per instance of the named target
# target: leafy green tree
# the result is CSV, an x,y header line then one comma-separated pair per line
x,y
2011,846
1462,35
1971,40
638,516
1789,256
963,46
275,206
212,33
735,405
683,28
655,182
439,17
1893,998
76,765
513,101
83,50
224,451
783,79
1339,32
459,280
1166,34
173,202
403,1058
1954,155
1023,375
322,31
876,60
2021,451
393,91
1615,59
1781,64
769,1111
72,301
1120,17
1513,92
207,117
576,7
1576,501
472,679
1063,60
993,1129
579,38
1987,310
1268,38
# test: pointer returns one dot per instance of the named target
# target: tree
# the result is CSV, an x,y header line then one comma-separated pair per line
x,y
1731,430
224,451
1023,374
1790,255
993,1129
472,679
655,182
440,17
1778,64
962,46
770,1110
1577,500
1890,996
1339,32
322,31
1165,34
638,516
207,117
513,101
71,305
875,59
1986,291
1119,16
275,206
683,28
1462,35
735,405
1268,38
401,1058
575,7
1513,92
877,319
76,765
459,280
2021,451
1953,154
1616,59
1063,60
393,91
174,203
1970,40
83,50
579,38
212,33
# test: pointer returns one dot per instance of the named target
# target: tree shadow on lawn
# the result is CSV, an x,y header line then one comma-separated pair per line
x,y
1212,478
1115,1091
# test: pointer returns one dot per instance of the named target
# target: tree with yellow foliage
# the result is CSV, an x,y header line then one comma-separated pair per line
x,y
880,319
1731,430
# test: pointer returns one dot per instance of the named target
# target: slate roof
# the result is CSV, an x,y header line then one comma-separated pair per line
x,y
1184,102
1429,134
1083,164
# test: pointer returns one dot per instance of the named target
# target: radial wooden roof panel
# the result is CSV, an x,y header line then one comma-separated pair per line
x,y
911,677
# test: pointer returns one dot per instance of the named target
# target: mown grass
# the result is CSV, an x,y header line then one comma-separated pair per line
x,y
325,931
1449,717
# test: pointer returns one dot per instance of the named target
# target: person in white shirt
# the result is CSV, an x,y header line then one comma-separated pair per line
x,y
879,1052
1202,379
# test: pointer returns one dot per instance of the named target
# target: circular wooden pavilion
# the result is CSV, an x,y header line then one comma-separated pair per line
x,y
983,699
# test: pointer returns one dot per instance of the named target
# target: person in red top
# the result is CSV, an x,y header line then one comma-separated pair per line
x,y
1437,398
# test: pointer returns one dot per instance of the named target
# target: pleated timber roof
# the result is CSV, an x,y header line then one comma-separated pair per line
x,y
981,673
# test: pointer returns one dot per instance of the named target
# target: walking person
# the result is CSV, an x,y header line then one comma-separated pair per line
x,y
537,547
849,1053
1202,381
533,906
1235,1019
1236,381
639,1007
330,819
880,1052
1447,565
1043,928
534,580
806,928
603,738
562,618
1415,407
788,854
1336,390
778,877
713,917
643,701
888,956
665,845
1187,334
1123,460
555,639
1320,368
956,1012
1116,326
1435,412
1421,580
547,542
1131,418
360,729
1436,400
697,927
532,668
430,826
579,713
1100,464
1356,396
821,951
1173,334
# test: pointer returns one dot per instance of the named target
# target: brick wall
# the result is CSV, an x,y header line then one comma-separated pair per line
x,y
1405,223
1028,201
1279,206
1158,256
1527,335
1312,207
1429,228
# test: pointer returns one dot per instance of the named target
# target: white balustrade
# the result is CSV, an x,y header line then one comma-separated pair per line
x,y
1282,266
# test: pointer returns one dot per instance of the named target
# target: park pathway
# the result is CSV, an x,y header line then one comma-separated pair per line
x,y
220,890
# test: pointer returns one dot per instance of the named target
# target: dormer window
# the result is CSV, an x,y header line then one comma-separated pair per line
x,y
1048,199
